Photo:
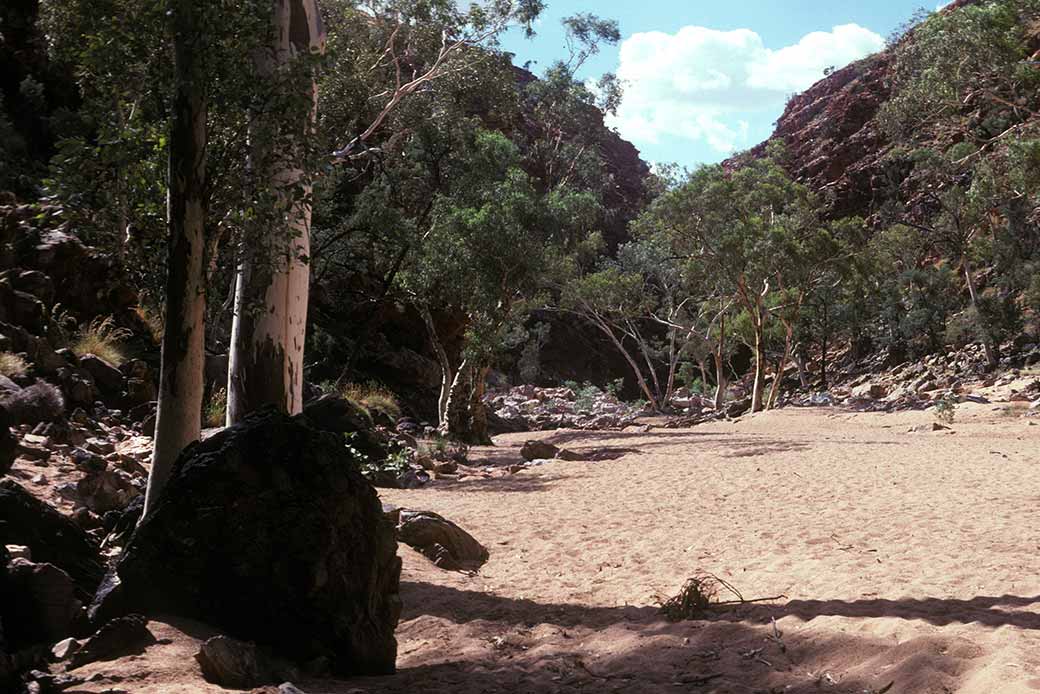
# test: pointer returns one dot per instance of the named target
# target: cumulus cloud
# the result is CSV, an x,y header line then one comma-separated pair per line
x,y
701,84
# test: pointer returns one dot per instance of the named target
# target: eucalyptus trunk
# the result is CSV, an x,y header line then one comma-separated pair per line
x,y
273,277
478,408
987,340
178,420
720,365
759,385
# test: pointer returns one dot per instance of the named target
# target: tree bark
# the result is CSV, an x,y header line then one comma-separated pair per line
x,y
758,386
457,423
478,410
266,360
774,392
178,420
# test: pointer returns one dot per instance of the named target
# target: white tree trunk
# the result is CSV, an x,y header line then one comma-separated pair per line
x,y
267,344
178,420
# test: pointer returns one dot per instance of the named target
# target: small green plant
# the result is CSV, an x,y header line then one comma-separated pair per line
x,y
397,462
214,412
946,408
102,338
13,365
616,386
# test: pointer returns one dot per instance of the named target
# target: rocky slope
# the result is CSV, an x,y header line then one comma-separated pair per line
x,y
833,138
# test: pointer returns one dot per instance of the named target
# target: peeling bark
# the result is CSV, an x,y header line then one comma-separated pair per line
x,y
273,277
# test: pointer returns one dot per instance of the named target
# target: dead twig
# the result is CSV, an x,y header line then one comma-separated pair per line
x,y
700,594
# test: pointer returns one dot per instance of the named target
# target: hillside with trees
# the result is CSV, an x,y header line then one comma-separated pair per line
x,y
275,274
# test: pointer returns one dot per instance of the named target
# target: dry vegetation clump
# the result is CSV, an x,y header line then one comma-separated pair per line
x,y
13,365
153,320
40,402
700,595
373,398
102,338
214,412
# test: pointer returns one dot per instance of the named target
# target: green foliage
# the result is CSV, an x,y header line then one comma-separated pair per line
x,y
945,409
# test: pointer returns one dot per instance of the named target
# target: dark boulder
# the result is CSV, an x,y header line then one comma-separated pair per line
x,y
51,537
268,531
127,635
538,450
43,604
107,377
239,665
441,541
339,415
8,443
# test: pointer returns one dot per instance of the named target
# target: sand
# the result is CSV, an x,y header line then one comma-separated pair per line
x,y
905,558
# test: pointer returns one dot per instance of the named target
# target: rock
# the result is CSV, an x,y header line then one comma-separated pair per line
x,y
122,636
289,688
8,444
107,490
43,605
18,552
107,377
737,407
569,455
441,541
233,664
64,648
536,450
51,537
871,391
268,531
339,415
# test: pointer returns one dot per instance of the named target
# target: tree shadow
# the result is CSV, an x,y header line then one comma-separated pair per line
x,y
481,642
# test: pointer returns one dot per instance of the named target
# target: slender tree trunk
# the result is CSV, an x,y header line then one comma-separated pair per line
x,y
178,420
823,362
266,360
775,390
478,410
720,365
987,339
803,376
457,416
759,384
447,376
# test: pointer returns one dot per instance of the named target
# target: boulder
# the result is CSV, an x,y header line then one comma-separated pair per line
x,y
538,450
107,377
268,531
871,391
8,444
43,605
127,635
239,665
51,537
441,541
339,415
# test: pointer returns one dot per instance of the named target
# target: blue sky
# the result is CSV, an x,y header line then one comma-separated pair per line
x,y
704,79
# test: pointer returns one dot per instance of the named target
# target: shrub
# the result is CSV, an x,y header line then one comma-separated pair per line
x,y
373,398
102,338
40,402
214,412
13,365
946,408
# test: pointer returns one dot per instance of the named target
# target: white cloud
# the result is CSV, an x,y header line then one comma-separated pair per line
x,y
701,84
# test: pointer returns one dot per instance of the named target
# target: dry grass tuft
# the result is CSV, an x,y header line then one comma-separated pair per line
x,y
13,365
102,338
373,398
153,320
214,412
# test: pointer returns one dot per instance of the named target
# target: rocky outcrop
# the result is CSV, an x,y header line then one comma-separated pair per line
x,y
268,531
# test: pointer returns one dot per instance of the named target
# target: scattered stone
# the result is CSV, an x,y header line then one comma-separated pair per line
x,y
65,648
441,541
569,455
122,636
534,450
267,530
107,490
234,664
